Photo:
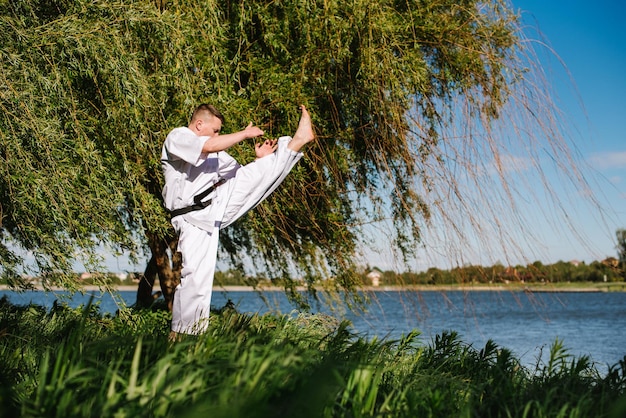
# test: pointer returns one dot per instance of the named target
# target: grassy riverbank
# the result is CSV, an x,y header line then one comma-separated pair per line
x,y
73,362
511,287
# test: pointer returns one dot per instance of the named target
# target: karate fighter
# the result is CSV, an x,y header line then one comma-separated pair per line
x,y
206,190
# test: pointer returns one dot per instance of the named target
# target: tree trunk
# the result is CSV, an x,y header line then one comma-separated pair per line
x,y
165,265
146,283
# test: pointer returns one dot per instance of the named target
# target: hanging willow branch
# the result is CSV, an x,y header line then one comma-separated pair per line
x,y
422,110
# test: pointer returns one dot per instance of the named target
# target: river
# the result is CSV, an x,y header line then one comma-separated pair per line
x,y
588,323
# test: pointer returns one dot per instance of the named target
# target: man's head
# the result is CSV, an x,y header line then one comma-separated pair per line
x,y
206,120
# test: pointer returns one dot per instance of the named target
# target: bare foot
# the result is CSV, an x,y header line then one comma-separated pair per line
x,y
304,134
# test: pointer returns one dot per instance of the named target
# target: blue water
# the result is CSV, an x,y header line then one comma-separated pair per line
x,y
528,324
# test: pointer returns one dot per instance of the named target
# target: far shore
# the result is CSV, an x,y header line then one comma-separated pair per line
x,y
531,288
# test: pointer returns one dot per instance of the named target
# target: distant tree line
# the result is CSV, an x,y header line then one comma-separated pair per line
x,y
607,270
610,269
537,272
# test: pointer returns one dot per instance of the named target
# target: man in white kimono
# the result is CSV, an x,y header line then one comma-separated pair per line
x,y
206,190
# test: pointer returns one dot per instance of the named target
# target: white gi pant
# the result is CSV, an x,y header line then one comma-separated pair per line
x,y
251,184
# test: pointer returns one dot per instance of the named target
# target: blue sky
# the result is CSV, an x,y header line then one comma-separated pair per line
x,y
590,40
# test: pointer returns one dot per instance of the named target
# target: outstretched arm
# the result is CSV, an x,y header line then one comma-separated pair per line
x,y
222,142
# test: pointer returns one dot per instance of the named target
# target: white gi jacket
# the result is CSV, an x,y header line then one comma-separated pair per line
x,y
188,172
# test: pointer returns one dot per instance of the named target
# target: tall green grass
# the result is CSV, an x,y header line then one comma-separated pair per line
x,y
63,362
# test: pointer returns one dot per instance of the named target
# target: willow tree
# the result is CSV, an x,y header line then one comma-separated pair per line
x,y
404,95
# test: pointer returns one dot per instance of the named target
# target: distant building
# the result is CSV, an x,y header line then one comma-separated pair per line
x,y
374,277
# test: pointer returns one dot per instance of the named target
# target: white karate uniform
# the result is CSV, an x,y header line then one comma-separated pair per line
x,y
188,172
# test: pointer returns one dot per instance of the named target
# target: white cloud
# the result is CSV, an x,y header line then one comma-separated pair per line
x,y
509,164
603,160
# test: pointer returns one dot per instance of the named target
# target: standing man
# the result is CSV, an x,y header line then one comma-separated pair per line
x,y
206,190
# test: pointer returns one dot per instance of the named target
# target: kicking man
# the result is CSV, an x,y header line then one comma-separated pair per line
x,y
206,190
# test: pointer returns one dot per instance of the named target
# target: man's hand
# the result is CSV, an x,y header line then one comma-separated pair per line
x,y
268,147
252,131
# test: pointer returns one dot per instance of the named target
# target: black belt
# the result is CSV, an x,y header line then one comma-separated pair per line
x,y
198,204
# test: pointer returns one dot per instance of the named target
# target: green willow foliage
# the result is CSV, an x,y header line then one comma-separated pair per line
x,y
89,89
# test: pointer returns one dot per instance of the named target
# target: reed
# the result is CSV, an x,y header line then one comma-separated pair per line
x,y
79,362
